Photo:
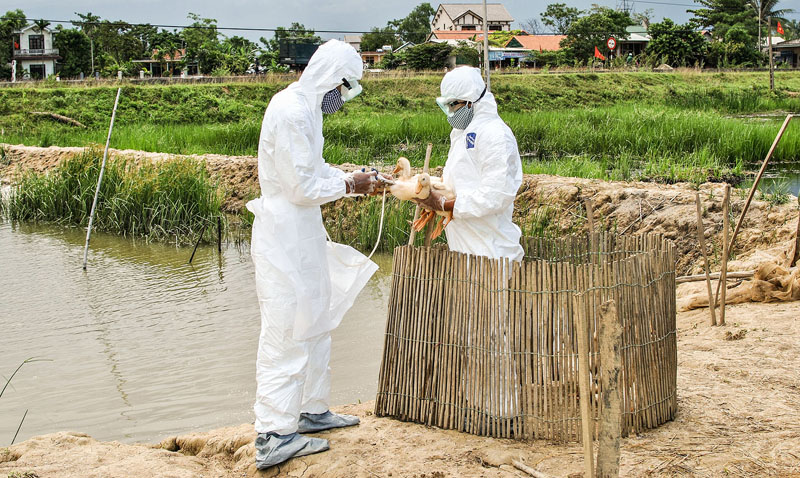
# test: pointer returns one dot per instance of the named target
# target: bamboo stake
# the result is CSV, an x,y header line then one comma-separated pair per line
x,y
754,187
610,420
796,253
425,167
701,238
100,180
723,280
582,329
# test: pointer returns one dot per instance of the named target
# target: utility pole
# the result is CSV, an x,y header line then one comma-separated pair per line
x,y
771,70
760,21
486,45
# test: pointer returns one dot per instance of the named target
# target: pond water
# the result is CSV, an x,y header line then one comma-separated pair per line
x,y
144,345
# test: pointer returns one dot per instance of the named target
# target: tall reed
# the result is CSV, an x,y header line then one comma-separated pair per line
x,y
171,199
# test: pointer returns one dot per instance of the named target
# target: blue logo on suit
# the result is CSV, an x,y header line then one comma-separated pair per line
x,y
470,140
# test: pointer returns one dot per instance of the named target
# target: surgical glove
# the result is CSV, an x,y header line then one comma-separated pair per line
x,y
273,449
316,422
435,202
361,183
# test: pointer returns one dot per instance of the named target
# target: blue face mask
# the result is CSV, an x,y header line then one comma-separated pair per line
x,y
332,101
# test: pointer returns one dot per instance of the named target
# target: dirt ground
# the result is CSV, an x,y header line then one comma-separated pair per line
x,y
623,207
738,385
738,415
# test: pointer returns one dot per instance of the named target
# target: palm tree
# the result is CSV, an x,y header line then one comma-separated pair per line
x,y
766,9
40,25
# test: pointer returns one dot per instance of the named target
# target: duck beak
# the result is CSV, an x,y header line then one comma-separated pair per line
x,y
419,188
397,169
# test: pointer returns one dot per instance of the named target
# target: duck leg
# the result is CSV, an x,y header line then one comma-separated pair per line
x,y
424,218
438,231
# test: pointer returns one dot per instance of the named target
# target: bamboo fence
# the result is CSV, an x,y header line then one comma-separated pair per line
x,y
489,347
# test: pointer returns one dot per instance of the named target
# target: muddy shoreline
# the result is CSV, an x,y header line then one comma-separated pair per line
x,y
737,416
553,202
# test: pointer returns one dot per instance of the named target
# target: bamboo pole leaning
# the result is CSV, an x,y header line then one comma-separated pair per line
x,y
99,181
425,168
701,238
754,187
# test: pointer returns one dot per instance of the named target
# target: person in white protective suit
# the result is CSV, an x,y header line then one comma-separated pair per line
x,y
483,168
294,263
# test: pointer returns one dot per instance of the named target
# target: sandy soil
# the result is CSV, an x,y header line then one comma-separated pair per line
x,y
738,415
624,207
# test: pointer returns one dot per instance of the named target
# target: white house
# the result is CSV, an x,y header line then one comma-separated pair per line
x,y
34,52
469,17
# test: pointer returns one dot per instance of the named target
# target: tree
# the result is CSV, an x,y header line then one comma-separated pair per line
x,y
643,18
75,51
378,38
721,15
88,25
428,56
792,29
559,17
296,31
675,44
10,22
593,30
239,53
416,25
531,26
202,43
765,9
40,25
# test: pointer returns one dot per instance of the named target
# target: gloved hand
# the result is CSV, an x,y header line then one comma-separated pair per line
x,y
361,183
436,202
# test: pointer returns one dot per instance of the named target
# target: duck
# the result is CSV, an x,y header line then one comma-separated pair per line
x,y
426,183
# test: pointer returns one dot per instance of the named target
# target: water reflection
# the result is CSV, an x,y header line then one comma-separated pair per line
x,y
144,344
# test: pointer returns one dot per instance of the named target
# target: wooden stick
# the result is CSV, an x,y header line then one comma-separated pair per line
x,y
754,187
726,207
590,215
796,254
425,166
714,276
60,118
527,469
611,416
582,329
701,238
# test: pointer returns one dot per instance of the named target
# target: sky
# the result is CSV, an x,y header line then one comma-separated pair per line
x,y
350,15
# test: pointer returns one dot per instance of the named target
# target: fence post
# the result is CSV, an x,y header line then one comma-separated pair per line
x,y
611,414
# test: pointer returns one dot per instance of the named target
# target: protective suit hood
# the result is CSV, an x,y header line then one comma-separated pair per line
x,y
331,62
465,83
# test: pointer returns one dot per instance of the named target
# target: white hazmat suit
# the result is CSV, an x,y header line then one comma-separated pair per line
x,y
484,169
293,261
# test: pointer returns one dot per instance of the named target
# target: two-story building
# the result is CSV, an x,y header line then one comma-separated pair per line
x,y
34,52
469,17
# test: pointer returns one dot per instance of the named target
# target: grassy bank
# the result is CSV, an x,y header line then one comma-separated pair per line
x,y
171,200
679,126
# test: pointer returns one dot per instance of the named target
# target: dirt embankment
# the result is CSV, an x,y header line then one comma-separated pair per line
x,y
737,416
550,203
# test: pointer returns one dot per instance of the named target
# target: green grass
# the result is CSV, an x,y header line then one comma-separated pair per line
x,y
172,199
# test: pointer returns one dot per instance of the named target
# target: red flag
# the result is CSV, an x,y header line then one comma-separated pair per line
x,y
597,54
780,28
